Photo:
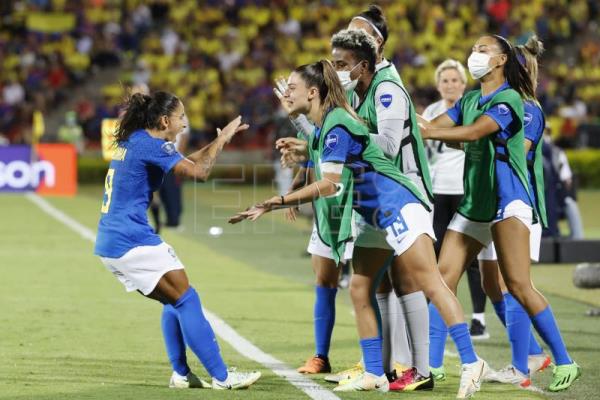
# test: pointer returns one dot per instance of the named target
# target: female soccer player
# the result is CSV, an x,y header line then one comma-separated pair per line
x,y
380,99
348,162
497,202
138,257
326,269
528,356
446,166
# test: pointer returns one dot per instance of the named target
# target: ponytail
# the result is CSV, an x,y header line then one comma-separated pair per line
x,y
336,95
323,76
528,55
516,74
144,111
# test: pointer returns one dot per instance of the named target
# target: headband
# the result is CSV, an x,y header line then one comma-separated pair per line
x,y
521,59
371,24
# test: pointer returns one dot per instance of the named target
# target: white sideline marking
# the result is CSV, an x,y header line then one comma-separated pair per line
x,y
221,328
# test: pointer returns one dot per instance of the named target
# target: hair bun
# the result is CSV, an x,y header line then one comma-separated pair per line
x,y
534,46
140,99
376,10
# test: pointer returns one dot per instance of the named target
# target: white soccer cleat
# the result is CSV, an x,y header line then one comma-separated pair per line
x,y
236,380
470,378
538,363
190,381
364,382
512,376
346,374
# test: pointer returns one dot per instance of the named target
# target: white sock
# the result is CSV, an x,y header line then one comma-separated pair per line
x,y
401,352
417,318
384,312
479,317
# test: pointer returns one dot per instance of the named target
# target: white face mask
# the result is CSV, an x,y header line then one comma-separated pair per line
x,y
479,64
347,82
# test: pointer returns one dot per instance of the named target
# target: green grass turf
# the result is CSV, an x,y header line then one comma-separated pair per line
x,y
69,331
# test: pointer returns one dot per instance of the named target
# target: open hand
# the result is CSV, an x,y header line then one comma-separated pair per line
x,y
234,126
293,151
290,214
253,213
280,90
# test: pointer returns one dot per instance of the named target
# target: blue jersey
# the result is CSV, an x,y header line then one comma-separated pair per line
x,y
509,187
377,198
534,124
137,169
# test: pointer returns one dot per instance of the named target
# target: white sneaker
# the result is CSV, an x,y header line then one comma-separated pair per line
x,y
538,363
470,378
236,380
190,381
512,376
346,374
363,382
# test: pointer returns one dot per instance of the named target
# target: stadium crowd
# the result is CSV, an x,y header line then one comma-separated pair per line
x,y
220,57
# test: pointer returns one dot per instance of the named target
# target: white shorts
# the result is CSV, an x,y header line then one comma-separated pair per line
x,y
481,231
142,267
535,240
413,221
316,246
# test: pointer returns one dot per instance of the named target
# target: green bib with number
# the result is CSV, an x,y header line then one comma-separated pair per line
x,y
334,213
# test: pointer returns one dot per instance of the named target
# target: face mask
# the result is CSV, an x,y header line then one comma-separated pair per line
x,y
479,64
347,82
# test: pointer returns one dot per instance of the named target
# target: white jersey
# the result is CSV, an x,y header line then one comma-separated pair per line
x,y
446,165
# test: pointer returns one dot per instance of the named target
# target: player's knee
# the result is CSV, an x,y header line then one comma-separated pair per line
x,y
359,291
520,289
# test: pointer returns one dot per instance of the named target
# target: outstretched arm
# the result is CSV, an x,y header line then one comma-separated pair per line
x,y
327,186
199,164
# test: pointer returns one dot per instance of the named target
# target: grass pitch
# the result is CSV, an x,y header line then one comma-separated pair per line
x,y
69,331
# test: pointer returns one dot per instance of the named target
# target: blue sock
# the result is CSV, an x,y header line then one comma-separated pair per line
x,y
500,308
324,318
198,334
174,340
534,346
546,326
462,339
438,332
371,350
518,326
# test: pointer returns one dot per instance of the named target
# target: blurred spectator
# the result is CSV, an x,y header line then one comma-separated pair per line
x,y
12,92
220,58
560,191
71,132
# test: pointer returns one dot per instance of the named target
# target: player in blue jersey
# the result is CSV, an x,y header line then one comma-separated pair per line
x,y
128,246
527,353
387,200
498,200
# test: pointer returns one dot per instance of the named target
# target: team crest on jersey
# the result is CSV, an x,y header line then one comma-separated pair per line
x,y
386,99
331,141
169,148
527,118
503,109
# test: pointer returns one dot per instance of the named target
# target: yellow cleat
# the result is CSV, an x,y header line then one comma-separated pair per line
x,y
364,382
346,375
